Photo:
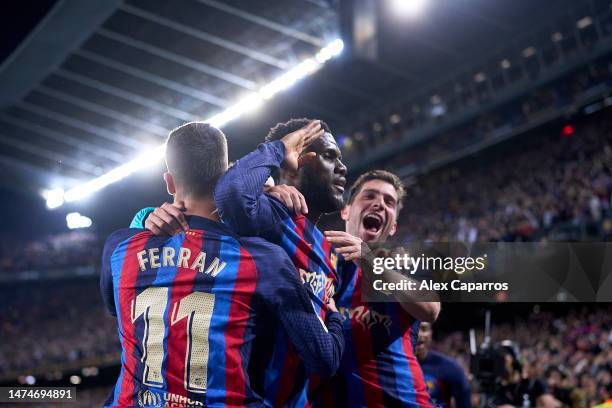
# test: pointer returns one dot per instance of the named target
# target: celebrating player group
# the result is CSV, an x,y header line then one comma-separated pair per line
x,y
231,295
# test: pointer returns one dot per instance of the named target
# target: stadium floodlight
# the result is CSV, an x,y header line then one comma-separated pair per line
x,y
249,103
144,160
584,22
409,7
54,197
75,220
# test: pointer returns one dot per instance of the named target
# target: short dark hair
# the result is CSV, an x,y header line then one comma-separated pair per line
x,y
281,130
383,175
196,156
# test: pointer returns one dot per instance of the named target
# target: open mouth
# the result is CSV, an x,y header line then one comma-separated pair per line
x,y
372,223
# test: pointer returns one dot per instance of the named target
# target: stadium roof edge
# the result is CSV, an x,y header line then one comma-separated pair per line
x,y
62,30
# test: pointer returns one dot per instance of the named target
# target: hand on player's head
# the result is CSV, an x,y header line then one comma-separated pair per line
x,y
290,196
297,142
168,219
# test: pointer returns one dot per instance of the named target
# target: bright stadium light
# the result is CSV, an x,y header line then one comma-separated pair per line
x,y
409,7
247,104
144,160
54,197
75,220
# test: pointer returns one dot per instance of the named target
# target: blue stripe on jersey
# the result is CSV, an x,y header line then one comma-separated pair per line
x,y
405,389
273,371
165,277
218,322
317,239
286,243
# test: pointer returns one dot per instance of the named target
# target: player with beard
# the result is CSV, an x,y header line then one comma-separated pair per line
x,y
444,377
318,172
379,368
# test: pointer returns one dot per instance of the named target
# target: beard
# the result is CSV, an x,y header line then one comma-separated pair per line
x,y
321,195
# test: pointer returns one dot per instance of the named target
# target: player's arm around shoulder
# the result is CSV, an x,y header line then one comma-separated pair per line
x,y
319,343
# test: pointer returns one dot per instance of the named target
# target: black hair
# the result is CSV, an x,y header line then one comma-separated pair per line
x,y
281,130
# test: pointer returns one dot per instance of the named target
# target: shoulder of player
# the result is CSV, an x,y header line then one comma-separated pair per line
x,y
279,206
265,253
121,235
259,247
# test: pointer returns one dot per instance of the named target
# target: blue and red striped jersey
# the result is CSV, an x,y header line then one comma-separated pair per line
x,y
446,380
191,307
379,367
245,208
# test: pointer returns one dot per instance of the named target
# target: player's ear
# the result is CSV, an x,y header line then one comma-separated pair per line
x,y
170,186
393,228
344,213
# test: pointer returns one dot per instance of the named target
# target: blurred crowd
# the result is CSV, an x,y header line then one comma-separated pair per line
x,y
70,249
571,353
464,92
545,100
58,323
543,186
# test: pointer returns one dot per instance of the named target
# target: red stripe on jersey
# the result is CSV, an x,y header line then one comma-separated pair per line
x,y
127,294
182,285
362,338
292,361
418,382
285,385
302,248
327,248
244,286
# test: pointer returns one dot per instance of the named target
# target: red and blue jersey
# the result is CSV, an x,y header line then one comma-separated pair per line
x,y
248,211
379,367
446,380
190,309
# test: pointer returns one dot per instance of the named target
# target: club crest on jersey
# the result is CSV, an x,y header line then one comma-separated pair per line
x,y
366,317
318,283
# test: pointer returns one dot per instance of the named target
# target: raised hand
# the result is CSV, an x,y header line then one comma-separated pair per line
x,y
296,142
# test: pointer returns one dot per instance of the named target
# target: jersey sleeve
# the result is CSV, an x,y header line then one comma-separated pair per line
x,y
319,344
239,195
106,272
141,216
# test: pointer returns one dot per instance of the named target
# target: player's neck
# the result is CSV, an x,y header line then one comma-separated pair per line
x,y
204,208
313,216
